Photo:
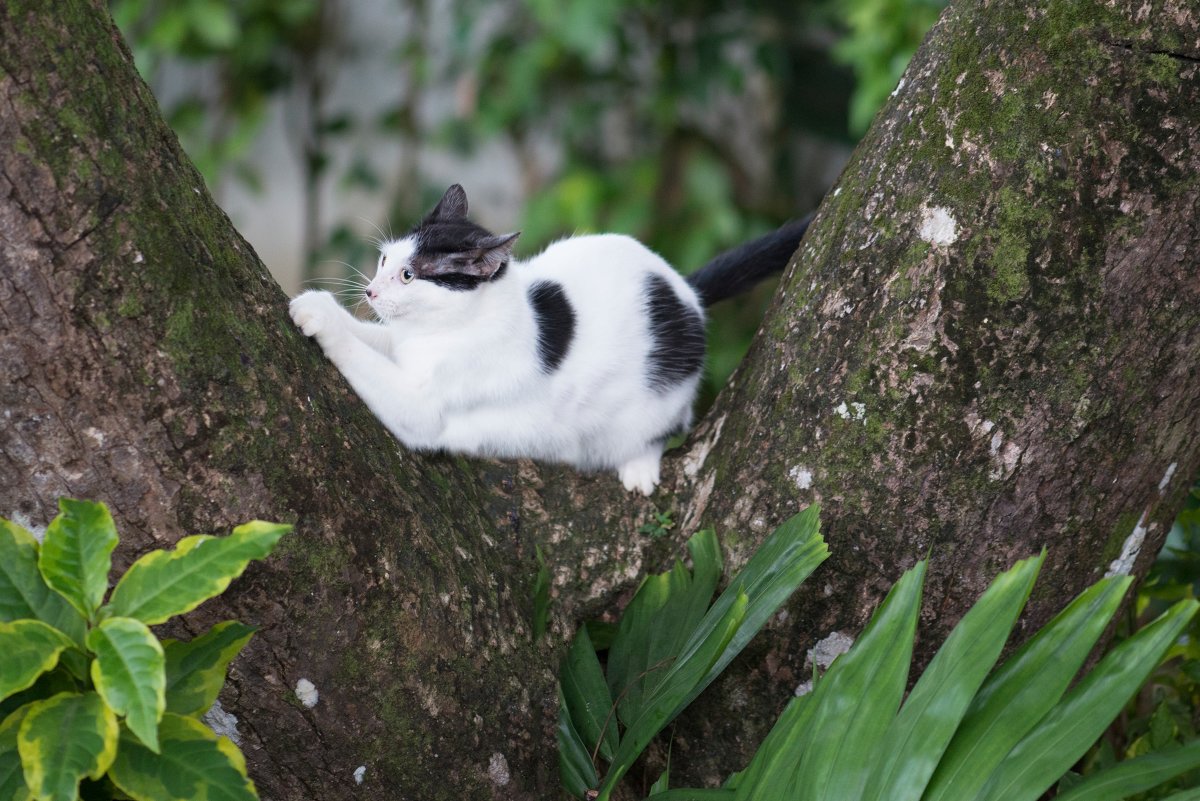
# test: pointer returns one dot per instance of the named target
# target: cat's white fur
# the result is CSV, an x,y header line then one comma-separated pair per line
x,y
460,371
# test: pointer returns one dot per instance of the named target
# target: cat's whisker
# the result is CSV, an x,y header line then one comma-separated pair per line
x,y
377,242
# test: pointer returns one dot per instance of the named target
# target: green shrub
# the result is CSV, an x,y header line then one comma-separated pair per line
x,y
669,646
966,731
87,692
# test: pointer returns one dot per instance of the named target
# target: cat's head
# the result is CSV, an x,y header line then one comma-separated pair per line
x,y
443,256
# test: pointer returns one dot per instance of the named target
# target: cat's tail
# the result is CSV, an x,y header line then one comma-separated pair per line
x,y
738,270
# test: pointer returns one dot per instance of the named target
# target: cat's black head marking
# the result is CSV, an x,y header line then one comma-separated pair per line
x,y
453,252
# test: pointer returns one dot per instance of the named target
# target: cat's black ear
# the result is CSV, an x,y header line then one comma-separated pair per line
x,y
492,253
452,206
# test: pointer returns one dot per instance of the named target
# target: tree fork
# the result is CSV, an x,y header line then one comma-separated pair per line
x,y
987,345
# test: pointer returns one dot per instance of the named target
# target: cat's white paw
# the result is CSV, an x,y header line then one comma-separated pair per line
x,y
314,311
641,474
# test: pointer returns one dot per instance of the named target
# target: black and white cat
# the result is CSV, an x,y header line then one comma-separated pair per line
x,y
589,353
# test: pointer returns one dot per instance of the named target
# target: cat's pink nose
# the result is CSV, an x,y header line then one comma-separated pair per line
x,y
371,293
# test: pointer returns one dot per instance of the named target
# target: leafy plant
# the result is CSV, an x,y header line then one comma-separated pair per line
x,y
669,646
87,692
965,731
1162,718
659,525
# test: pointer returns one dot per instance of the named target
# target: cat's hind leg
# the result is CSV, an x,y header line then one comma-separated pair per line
x,y
641,473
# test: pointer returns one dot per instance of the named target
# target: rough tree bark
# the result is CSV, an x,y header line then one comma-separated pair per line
x,y
988,344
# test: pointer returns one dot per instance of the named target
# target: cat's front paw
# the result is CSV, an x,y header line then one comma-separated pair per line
x,y
641,474
314,312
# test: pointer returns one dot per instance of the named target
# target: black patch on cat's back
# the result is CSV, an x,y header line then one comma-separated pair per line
x,y
555,320
676,336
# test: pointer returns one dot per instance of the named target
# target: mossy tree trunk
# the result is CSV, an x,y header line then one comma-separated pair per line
x,y
987,345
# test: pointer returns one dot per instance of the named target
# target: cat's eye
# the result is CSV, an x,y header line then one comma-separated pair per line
x,y
406,276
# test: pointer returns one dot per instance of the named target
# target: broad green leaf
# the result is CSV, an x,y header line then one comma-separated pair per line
x,y
196,669
29,648
12,777
657,624
23,591
781,564
128,672
1022,690
62,740
574,761
163,584
777,568
667,700
858,697
1069,729
1134,775
76,554
194,764
926,723
588,701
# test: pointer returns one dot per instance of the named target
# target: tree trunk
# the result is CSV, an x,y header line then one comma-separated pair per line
x,y
987,345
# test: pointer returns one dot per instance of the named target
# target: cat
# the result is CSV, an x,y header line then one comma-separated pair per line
x,y
589,353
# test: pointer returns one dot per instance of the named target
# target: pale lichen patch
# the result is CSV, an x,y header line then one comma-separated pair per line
x,y
498,769
1166,479
222,722
359,773
1123,564
828,649
938,226
802,476
306,693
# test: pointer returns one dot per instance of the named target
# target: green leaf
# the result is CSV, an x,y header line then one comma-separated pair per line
x,y
588,702
1022,690
1069,729
62,740
163,584
23,591
777,568
196,669
29,649
667,699
128,672
12,777
76,554
657,624
781,564
193,763
1134,775
919,735
856,700
574,761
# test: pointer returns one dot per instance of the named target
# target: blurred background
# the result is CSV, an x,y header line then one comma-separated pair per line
x,y
692,125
